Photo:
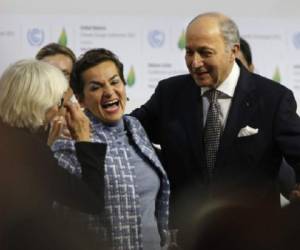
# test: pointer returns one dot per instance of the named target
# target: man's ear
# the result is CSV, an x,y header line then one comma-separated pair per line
x,y
235,50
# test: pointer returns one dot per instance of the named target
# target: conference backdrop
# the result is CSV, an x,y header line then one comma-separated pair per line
x,y
151,48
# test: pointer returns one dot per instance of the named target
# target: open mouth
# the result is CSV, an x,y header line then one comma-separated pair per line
x,y
200,72
110,104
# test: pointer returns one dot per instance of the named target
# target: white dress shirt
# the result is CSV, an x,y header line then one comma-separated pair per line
x,y
226,90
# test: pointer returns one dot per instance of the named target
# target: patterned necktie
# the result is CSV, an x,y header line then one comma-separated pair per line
x,y
212,131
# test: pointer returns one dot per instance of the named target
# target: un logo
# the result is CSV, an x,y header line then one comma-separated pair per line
x,y
296,40
35,36
156,38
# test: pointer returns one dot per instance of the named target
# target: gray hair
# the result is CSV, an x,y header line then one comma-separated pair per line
x,y
28,89
227,26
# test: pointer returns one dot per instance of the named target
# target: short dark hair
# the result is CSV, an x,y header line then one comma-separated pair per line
x,y
88,60
52,49
246,51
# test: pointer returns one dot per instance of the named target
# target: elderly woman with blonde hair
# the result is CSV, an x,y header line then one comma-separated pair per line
x,y
32,96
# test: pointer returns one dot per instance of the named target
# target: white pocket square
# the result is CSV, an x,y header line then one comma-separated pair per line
x,y
247,131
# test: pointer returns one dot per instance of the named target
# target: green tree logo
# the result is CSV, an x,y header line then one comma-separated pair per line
x,y
181,41
277,76
131,77
63,39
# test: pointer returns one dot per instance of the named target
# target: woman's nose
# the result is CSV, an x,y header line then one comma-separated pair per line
x,y
108,90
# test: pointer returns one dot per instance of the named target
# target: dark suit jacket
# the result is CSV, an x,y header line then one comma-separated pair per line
x,y
173,118
31,180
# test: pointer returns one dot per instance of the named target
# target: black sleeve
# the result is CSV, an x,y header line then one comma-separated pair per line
x,y
286,178
85,194
91,157
148,115
287,131
32,177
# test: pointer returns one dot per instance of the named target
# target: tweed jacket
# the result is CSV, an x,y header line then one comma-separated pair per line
x,y
122,218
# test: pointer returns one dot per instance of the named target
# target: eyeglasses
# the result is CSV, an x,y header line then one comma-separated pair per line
x,y
61,103
67,74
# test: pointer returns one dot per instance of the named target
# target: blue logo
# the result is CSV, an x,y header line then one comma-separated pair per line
x,y
35,36
296,40
156,38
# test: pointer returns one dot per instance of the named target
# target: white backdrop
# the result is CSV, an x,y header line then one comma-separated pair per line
x,y
237,8
148,36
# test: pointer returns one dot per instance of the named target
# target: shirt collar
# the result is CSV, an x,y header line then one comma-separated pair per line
x,y
228,86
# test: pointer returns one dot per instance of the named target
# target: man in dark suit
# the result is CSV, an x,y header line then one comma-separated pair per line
x,y
286,176
258,121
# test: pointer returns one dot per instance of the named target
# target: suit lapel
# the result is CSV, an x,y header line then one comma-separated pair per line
x,y
193,121
242,106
